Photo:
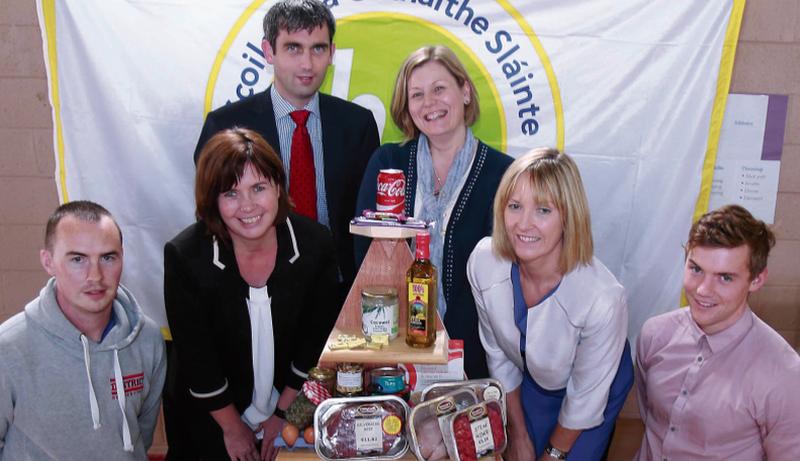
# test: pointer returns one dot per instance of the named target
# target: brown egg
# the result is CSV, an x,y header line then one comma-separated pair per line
x,y
290,433
308,435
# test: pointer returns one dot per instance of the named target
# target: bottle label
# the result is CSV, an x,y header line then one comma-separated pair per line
x,y
418,308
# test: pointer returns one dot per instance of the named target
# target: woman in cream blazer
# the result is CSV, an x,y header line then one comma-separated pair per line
x,y
553,319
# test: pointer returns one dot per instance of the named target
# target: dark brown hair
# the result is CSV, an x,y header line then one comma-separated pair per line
x,y
732,226
221,165
82,210
294,15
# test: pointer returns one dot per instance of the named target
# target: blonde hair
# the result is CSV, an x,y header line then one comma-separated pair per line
x,y
554,178
420,57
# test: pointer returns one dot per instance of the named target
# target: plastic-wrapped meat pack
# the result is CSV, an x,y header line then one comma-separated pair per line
x,y
476,431
361,428
428,418
485,389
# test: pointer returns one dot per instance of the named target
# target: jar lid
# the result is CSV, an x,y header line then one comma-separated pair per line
x,y
321,374
379,292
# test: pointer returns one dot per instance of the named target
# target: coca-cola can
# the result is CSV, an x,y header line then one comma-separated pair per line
x,y
391,191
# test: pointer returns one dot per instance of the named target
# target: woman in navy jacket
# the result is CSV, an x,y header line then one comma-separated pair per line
x,y
451,178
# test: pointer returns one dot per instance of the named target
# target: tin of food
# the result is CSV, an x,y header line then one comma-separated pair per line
x,y
380,311
387,380
391,193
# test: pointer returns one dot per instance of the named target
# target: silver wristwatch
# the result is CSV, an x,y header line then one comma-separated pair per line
x,y
555,453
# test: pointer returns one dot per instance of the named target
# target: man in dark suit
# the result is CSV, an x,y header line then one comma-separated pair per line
x,y
298,43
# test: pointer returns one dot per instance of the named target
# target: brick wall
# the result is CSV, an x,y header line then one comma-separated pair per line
x,y
768,61
27,190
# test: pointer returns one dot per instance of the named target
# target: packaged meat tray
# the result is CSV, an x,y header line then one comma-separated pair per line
x,y
475,432
369,428
428,418
485,389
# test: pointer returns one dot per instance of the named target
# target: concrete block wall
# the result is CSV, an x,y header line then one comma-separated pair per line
x,y
27,189
768,61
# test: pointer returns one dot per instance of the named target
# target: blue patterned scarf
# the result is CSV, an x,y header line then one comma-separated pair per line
x,y
435,207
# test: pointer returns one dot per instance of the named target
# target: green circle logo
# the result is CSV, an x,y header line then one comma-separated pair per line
x,y
370,69
519,99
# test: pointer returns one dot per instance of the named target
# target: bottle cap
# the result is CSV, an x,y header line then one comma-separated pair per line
x,y
423,245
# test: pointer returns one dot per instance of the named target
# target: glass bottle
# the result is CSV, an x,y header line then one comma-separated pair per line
x,y
422,285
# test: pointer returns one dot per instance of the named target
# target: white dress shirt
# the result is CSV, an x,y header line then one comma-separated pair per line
x,y
265,396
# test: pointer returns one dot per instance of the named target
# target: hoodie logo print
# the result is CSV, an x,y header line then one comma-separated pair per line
x,y
132,383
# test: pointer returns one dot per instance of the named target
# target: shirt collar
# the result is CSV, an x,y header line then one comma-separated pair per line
x,y
720,341
283,108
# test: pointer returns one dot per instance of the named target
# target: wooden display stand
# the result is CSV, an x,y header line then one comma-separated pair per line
x,y
385,264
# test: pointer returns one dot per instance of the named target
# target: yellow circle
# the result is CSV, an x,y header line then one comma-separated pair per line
x,y
392,425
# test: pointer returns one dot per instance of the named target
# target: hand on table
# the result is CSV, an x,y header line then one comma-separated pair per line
x,y
240,442
272,427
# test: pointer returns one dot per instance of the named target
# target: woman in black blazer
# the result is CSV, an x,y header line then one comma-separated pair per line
x,y
250,292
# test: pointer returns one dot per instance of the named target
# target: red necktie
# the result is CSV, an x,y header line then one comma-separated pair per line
x,y
302,179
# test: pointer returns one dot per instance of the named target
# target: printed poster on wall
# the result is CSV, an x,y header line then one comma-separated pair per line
x,y
748,159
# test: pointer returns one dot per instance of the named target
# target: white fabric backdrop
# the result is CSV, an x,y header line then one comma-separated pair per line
x,y
632,89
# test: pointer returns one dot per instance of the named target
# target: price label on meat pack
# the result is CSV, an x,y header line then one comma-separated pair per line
x,y
392,425
482,436
369,435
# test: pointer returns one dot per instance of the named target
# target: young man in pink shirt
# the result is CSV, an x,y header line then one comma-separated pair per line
x,y
713,380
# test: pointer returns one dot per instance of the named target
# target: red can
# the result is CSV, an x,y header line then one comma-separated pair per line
x,y
391,191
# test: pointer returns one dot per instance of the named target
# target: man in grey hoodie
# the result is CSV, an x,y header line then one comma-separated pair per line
x,y
81,368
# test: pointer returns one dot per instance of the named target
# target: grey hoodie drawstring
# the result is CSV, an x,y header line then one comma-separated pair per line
x,y
92,397
126,431
120,386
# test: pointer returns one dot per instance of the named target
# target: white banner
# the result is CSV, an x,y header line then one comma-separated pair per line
x,y
633,89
